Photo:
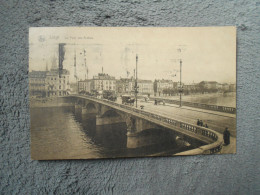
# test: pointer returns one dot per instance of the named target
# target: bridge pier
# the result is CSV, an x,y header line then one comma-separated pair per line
x,y
88,111
141,125
134,128
134,141
78,108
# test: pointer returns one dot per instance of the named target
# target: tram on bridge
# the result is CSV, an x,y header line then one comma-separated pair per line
x,y
128,100
109,95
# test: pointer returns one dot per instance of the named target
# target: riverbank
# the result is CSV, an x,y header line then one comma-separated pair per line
x,y
219,99
49,102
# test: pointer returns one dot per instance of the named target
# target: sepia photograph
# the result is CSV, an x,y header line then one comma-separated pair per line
x,y
120,92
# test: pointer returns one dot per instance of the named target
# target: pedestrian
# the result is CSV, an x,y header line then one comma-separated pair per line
x,y
206,125
198,122
226,136
201,123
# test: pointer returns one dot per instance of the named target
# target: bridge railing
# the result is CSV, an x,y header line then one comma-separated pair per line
x,y
225,109
216,137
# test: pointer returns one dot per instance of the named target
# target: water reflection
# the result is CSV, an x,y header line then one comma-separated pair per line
x,y
220,99
64,133
55,134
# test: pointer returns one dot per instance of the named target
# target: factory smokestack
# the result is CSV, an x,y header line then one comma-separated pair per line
x,y
61,56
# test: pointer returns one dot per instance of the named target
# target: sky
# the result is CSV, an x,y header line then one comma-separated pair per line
x,y
207,53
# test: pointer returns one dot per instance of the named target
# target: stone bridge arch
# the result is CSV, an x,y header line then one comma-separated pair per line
x,y
137,125
107,115
80,102
110,112
89,107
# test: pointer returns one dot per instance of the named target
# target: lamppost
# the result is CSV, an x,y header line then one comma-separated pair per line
x,y
85,63
180,82
102,84
75,72
180,87
180,49
136,85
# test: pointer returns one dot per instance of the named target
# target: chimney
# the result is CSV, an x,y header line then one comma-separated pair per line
x,y
61,56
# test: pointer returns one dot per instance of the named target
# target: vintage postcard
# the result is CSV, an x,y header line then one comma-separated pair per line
x,y
113,92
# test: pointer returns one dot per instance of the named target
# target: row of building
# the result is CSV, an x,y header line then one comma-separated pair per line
x,y
56,82
148,87
49,83
104,82
169,87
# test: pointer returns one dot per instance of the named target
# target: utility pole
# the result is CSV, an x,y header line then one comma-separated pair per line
x,y
134,80
136,86
85,61
87,73
75,71
180,81
102,84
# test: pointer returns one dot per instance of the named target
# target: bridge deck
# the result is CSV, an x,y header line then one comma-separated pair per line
x,y
185,128
215,120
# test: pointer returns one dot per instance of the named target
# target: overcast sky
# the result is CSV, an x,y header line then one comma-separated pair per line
x,y
207,53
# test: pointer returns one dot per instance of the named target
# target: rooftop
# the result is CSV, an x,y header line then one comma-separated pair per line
x,y
164,81
42,74
103,76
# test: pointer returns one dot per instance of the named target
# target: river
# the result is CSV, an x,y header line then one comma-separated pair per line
x,y
62,133
219,99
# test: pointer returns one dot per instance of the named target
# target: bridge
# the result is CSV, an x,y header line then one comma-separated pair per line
x,y
138,120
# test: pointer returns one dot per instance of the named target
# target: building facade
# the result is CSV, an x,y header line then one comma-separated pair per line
x,y
49,83
85,86
103,82
57,83
125,86
161,85
210,85
225,87
37,83
190,87
145,87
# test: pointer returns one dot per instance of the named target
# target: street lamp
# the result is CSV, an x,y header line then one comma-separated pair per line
x,y
75,71
180,87
180,82
136,86
180,49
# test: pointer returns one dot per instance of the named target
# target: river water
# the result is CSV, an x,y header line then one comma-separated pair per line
x,y
62,133
219,99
